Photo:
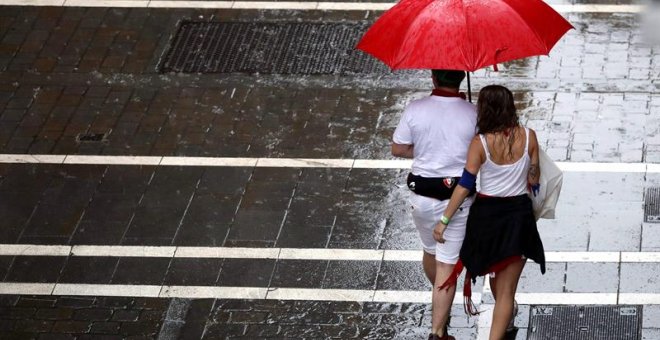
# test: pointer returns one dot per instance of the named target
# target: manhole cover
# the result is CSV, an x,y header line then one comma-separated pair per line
x,y
585,323
652,205
276,48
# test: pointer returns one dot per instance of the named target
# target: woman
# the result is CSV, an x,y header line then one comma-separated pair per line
x,y
501,229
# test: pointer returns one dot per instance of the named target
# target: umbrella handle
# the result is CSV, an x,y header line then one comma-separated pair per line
x,y
469,91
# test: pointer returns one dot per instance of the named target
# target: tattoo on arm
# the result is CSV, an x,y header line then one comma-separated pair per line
x,y
534,171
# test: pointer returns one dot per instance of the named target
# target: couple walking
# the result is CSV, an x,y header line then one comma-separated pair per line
x,y
491,232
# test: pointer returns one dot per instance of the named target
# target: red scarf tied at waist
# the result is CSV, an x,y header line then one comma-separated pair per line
x,y
468,304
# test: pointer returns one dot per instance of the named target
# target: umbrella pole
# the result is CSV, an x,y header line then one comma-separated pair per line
x,y
469,89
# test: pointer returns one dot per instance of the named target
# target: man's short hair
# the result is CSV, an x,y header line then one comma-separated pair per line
x,y
448,78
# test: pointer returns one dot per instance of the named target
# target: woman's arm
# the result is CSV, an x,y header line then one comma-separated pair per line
x,y
534,173
475,158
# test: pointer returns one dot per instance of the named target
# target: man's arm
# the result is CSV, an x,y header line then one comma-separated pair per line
x,y
402,150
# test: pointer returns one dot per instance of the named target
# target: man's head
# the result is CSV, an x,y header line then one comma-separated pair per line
x,y
448,78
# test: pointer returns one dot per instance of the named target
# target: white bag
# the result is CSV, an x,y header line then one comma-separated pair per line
x,y
545,201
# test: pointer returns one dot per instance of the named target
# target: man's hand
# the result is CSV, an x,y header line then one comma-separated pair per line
x,y
439,231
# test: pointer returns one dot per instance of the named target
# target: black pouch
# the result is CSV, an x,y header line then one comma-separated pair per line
x,y
435,187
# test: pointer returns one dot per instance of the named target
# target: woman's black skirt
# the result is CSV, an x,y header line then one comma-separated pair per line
x,y
499,228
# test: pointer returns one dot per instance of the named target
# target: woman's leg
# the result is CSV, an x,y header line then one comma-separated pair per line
x,y
504,288
442,298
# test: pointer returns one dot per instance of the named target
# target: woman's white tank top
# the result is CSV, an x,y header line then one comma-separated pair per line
x,y
504,180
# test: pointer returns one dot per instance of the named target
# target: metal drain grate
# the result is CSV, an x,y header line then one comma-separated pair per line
x,y
585,323
652,205
271,48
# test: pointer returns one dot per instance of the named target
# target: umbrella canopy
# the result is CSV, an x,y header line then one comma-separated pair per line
x,y
462,34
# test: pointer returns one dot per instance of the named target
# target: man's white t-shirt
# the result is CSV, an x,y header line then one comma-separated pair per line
x,y
440,128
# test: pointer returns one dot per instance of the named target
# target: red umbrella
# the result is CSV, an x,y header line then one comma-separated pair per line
x,y
462,34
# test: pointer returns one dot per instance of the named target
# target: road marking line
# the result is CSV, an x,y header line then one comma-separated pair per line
x,y
19,288
209,161
403,255
304,163
79,289
123,251
639,299
581,256
308,294
107,3
331,254
640,257
289,5
201,292
227,252
33,250
336,254
113,160
382,164
191,4
290,162
567,298
19,159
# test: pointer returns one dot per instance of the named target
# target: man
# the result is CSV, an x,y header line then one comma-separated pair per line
x,y
435,132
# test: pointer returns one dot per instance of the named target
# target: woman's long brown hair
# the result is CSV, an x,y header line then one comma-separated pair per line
x,y
496,112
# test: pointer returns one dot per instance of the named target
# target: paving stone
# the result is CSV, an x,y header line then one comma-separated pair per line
x,y
553,281
351,275
14,313
218,331
54,313
299,274
77,302
36,301
71,326
104,327
638,277
92,314
246,273
402,275
650,333
125,315
592,277
140,271
36,326
89,270
140,328
35,269
651,319
195,272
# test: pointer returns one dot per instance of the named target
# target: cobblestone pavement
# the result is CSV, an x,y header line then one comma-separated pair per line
x,y
75,72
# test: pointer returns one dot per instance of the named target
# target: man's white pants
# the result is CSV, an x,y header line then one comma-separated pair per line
x,y
426,213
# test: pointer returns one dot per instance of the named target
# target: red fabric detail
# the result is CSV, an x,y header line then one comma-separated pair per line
x,y
453,277
468,304
483,195
444,93
503,264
